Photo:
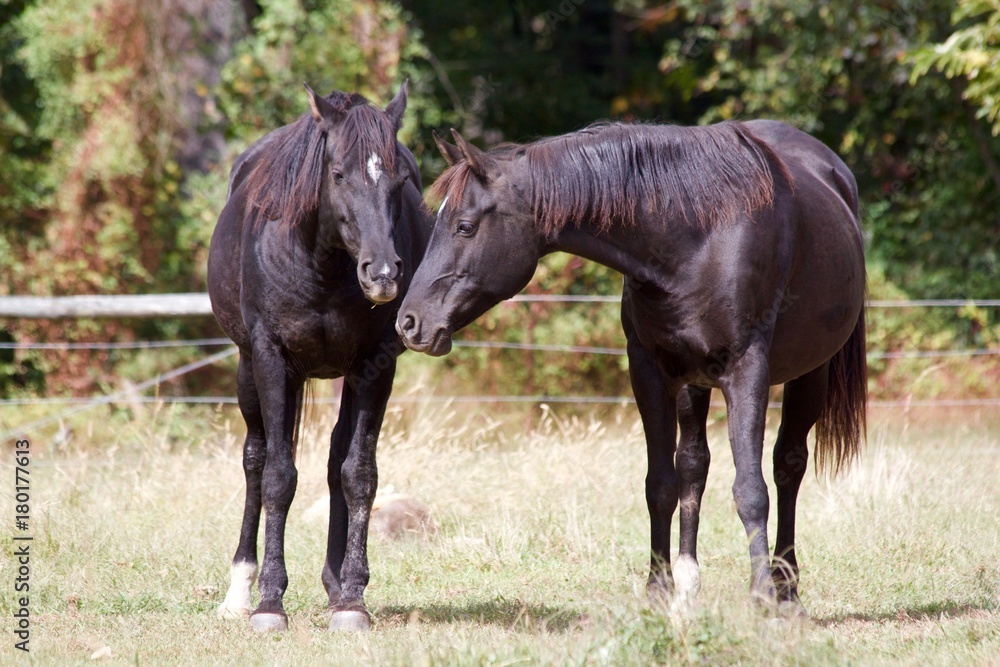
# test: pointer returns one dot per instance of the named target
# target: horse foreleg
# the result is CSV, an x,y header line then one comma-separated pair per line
x,y
279,396
658,411
745,385
359,481
800,408
693,460
340,443
243,572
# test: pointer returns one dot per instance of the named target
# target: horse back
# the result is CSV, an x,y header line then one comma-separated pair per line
x,y
809,159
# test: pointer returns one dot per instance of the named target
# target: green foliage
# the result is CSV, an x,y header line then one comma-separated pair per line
x,y
95,106
349,45
98,225
21,150
972,53
527,69
842,72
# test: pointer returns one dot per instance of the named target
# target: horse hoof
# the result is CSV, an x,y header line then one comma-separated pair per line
x,y
683,606
227,612
792,609
266,622
350,621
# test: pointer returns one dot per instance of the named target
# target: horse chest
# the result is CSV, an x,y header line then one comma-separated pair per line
x,y
687,336
327,342
681,324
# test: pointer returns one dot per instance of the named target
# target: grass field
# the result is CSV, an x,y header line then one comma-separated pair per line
x,y
541,556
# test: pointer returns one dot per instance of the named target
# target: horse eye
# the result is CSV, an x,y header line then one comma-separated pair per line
x,y
465,228
338,177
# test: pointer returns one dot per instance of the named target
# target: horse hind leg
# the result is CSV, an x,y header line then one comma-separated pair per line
x,y
243,572
692,463
745,386
801,406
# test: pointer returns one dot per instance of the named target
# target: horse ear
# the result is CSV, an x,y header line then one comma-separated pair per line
x,y
394,110
482,164
450,151
322,109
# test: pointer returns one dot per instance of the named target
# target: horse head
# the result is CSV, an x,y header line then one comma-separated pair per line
x,y
484,247
360,196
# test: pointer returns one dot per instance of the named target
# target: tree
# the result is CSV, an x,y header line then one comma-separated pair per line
x,y
118,123
971,54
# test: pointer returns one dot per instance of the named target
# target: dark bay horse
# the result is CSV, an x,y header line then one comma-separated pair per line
x,y
742,256
324,219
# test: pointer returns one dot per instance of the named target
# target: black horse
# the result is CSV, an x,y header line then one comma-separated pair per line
x,y
744,268
322,218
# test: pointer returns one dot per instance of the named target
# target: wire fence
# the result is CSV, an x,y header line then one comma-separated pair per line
x,y
482,344
133,395
873,303
462,398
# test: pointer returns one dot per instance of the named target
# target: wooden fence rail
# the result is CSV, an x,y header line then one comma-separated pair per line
x,y
101,306
197,304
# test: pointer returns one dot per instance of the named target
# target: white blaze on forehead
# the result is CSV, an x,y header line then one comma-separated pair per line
x,y
441,208
374,168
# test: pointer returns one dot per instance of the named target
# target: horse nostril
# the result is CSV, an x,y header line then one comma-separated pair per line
x,y
409,324
399,269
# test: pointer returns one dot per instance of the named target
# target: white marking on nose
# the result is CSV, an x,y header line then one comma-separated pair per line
x,y
385,270
442,207
374,168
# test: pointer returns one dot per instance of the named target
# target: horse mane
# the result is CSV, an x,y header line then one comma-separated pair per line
x,y
288,173
709,175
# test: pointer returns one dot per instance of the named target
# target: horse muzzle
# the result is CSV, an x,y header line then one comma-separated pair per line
x,y
409,328
381,285
380,291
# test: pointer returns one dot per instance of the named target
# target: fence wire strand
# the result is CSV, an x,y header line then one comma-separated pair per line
x,y
119,396
484,398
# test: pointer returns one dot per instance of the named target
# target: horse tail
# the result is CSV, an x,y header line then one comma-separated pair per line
x,y
842,425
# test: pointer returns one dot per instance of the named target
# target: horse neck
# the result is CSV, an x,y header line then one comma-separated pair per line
x,y
631,250
307,252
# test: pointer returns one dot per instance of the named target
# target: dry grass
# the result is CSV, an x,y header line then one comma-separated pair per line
x,y
541,552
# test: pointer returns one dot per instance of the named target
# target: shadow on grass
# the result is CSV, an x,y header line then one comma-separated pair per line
x,y
931,611
499,612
